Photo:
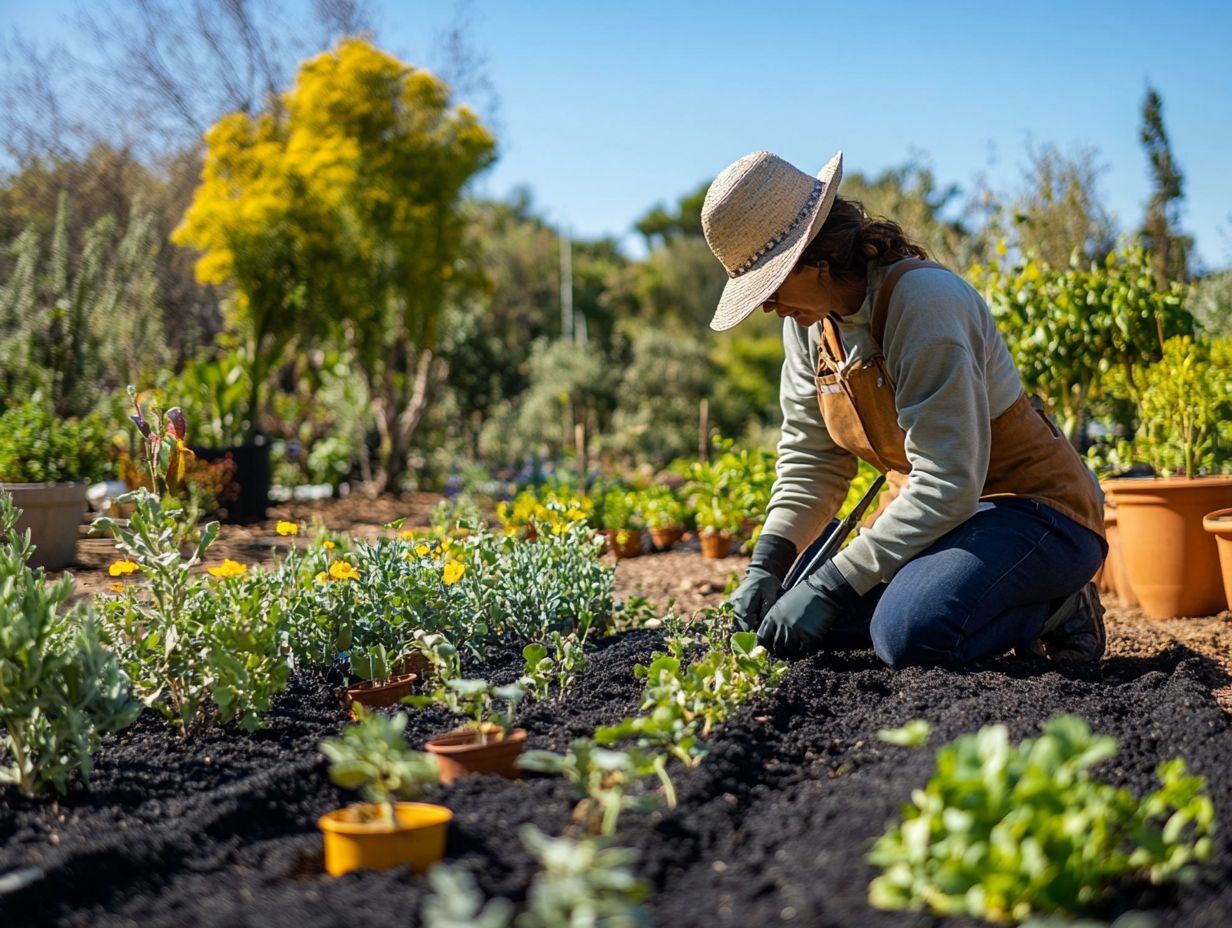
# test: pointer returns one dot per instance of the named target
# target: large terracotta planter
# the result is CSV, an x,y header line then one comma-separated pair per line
x,y
53,513
1219,524
356,838
461,753
1172,562
1116,575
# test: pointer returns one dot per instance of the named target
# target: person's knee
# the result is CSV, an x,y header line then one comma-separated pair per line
x,y
910,641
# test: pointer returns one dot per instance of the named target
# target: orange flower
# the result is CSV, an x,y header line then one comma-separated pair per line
x,y
117,587
228,568
120,568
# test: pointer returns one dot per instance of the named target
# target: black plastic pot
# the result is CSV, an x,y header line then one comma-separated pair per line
x,y
246,498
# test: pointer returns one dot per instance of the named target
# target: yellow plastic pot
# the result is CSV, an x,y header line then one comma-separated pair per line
x,y
357,837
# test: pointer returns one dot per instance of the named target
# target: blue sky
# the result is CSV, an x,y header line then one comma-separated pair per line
x,y
607,108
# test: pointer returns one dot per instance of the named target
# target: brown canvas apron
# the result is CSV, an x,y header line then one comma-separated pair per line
x,y
1029,456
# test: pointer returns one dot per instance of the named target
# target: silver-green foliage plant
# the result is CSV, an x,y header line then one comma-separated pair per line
x,y
1003,830
604,777
374,758
489,708
60,690
197,648
580,884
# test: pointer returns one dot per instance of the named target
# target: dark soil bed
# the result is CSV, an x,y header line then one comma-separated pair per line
x,y
771,828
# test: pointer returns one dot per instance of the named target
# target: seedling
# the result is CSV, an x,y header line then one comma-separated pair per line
x,y
373,758
563,663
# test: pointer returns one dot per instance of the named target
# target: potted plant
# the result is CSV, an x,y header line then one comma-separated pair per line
x,y
46,465
488,744
621,522
380,685
219,395
664,516
375,759
1172,563
719,520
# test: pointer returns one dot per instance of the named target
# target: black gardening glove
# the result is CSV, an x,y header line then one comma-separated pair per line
x,y
798,623
763,582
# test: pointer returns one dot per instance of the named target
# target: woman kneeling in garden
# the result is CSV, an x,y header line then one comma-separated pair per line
x,y
994,525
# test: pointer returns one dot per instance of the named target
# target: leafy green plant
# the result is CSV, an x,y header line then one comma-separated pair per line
x,y
581,882
561,664
60,689
684,699
604,778
197,648
373,757
1004,830
489,708
456,902
660,508
38,447
1183,401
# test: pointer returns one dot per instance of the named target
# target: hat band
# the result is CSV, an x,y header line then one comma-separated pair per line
x,y
765,249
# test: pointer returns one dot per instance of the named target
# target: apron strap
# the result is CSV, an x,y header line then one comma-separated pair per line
x,y
831,344
881,308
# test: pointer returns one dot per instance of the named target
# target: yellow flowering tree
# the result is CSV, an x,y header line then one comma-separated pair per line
x,y
336,214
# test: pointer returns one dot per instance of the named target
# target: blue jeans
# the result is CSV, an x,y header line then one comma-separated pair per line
x,y
978,590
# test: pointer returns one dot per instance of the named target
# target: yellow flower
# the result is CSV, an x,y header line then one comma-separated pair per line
x,y
229,568
453,572
422,549
446,544
327,545
120,568
287,528
407,535
322,577
117,587
341,570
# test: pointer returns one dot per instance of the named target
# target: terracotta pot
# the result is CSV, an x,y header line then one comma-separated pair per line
x,y
1115,573
461,753
414,663
357,838
715,544
384,693
1219,524
52,512
664,538
1173,564
632,546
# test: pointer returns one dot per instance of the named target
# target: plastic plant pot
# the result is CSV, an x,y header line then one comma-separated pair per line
x,y
382,693
358,837
463,753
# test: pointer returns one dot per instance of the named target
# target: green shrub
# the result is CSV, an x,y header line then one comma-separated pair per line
x,y
36,447
60,691
199,649
660,508
1004,830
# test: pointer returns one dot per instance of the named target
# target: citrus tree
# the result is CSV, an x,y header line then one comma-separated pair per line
x,y
335,214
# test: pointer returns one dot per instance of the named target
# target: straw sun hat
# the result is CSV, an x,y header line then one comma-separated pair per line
x,y
759,215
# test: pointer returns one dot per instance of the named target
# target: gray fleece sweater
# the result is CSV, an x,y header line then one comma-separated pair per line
x,y
952,374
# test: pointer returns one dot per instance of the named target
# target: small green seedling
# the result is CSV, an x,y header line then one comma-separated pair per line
x,y
374,758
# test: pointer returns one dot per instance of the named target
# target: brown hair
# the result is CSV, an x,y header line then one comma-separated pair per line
x,y
849,239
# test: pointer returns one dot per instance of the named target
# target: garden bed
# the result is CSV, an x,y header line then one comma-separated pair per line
x,y
771,828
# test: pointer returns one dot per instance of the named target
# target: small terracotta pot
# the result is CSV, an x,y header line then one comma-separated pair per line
x,y
664,538
631,548
415,663
461,753
715,544
385,693
357,838
1219,524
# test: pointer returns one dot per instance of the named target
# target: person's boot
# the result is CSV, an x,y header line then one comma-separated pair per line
x,y
1074,631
